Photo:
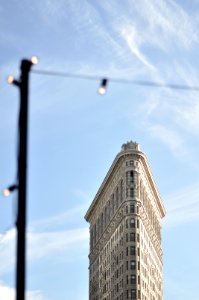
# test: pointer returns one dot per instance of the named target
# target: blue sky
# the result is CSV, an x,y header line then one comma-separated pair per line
x,y
74,134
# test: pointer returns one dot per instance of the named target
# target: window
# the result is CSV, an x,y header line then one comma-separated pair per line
x,y
117,197
132,237
127,221
132,265
132,250
133,294
138,223
105,216
113,204
132,223
102,222
131,192
127,237
132,208
138,237
129,177
91,238
138,279
133,278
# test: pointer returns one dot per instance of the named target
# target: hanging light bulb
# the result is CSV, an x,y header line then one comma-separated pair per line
x,y
103,86
34,60
10,79
9,190
6,192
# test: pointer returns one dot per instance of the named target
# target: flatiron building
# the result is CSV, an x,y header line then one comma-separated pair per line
x,y
125,259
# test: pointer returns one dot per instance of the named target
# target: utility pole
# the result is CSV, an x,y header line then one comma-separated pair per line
x,y
22,181
22,84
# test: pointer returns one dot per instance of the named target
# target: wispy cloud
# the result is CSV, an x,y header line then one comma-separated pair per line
x,y
182,207
50,9
70,216
57,242
131,37
166,24
7,251
170,138
8,293
51,234
69,242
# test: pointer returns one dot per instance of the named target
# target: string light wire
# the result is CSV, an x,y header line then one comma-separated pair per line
x,y
119,80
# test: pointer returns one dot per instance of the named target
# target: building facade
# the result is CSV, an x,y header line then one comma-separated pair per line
x,y
125,260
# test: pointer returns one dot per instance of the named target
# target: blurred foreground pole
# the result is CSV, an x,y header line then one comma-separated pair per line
x,y
22,181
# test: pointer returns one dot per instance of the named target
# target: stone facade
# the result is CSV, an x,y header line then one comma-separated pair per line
x,y
125,231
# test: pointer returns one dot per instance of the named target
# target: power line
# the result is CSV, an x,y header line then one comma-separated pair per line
x,y
119,80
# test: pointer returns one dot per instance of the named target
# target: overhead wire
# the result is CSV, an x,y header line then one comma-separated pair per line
x,y
119,80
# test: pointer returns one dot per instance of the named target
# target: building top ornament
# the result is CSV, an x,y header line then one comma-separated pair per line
x,y
130,146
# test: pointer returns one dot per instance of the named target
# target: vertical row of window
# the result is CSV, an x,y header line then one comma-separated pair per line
x,y
130,180
150,210
108,212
